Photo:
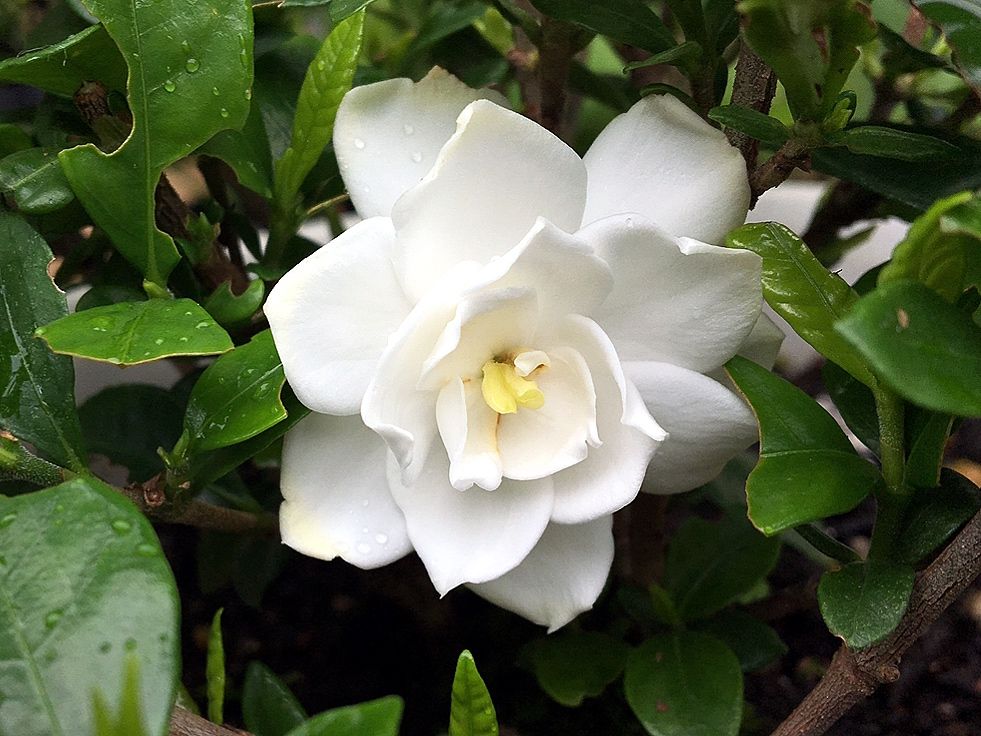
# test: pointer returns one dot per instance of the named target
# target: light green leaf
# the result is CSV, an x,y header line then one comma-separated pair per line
x,y
268,706
231,310
876,140
471,711
558,664
630,21
215,671
237,397
130,333
802,291
375,718
38,399
754,643
864,601
925,349
83,588
35,180
808,469
754,124
685,684
178,54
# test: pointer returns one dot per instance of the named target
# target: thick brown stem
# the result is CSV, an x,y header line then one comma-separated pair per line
x,y
555,58
792,155
753,86
185,723
854,676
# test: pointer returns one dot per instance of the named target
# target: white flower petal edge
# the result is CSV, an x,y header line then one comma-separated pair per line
x,y
387,135
492,180
663,161
674,300
708,425
561,578
332,314
762,344
470,536
336,497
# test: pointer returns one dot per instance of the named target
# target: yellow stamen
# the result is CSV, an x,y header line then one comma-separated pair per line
x,y
504,390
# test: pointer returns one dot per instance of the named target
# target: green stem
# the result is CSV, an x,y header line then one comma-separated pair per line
x,y
326,205
282,226
16,463
894,497
826,545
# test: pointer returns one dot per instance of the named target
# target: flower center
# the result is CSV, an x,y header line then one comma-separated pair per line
x,y
506,385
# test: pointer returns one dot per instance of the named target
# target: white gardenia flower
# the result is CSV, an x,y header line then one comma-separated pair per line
x,y
495,353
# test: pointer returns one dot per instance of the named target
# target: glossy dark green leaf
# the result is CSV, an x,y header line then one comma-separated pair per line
x,y
685,684
664,608
215,671
961,24
63,67
471,708
808,469
558,664
802,291
934,515
246,151
927,433
190,76
130,333
234,310
127,423
237,397
337,9
441,21
37,403
753,642
248,563
754,124
877,140
927,350
34,180
83,587
13,139
268,706
711,564
106,294
855,402
379,717
864,601
629,21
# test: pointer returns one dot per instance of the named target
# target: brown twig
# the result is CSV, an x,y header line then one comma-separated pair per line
x,y
776,169
753,86
556,50
853,676
185,723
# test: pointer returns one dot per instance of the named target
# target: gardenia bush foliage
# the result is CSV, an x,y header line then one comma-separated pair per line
x,y
460,345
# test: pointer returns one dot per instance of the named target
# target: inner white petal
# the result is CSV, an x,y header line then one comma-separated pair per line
x,y
530,360
469,431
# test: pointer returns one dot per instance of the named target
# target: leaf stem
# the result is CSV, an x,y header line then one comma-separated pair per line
x,y
326,205
827,545
891,500
16,463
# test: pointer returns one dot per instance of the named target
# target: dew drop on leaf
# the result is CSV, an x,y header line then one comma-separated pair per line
x,y
169,85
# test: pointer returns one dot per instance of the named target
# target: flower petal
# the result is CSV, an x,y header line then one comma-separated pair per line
x,y
331,317
707,423
763,342
492,180
468,427
336,497
561,578
661,160
610,476
674,300
387,135
470,536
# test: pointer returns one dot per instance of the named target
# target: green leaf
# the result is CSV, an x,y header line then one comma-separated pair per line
x,y
934,515
709,564
754,124
178,55
876,140
106,294
685,684
681,56
471,710
925,349
802,291
246,151
961,24
63,67
231,310
558,664
441,21
338,10
268,706
863,602
379,717
855,402
808,469
663,607
629,21
35,180
38,399
929,433
327,80
215,671
128,423
237,397
13,139
754,643
130,333
84,586
940,248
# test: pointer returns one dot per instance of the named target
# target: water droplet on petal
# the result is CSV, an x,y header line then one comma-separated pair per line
x,y
364,530
169,85
366,503
364,548
408,129
359,144
192,65
629,222
381,538
416,156
121,526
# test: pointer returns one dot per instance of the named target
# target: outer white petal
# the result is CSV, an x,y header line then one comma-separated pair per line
x,y
674,300
387,135
493,179
535,443
337,502
708,425
469,431
561,578
470,536
610,476
763,342
331,316
663,161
